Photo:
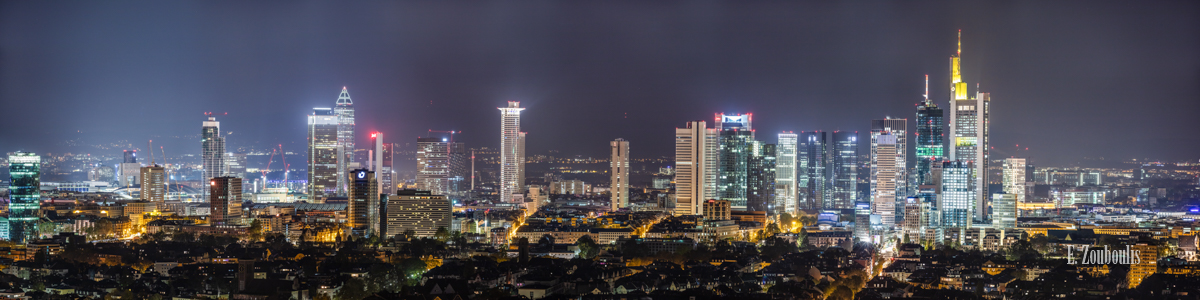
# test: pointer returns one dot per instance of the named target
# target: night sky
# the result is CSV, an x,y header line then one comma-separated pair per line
x,y
1069,79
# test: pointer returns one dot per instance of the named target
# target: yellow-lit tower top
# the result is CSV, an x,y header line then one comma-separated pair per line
x,y
958,88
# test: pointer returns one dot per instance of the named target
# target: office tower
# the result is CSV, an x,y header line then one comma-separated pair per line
x,y
225,201
930,144
212,149
440,165
899,129
916,217
459,169
363,202
419,211
694,169
885,176
1004,210
520,189
969,125
154,184
25,198
843,189
1014,178
130,169
957,199
377,159
345,138
785,173
862,221
620,173
235,164
760,182
322,154
813,159
511,154
736,139
387,186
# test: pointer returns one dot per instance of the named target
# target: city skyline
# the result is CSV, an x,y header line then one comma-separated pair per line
x,y
1034,74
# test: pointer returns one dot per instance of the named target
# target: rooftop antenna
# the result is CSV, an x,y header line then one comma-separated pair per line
x,y
926,88
960,42
150,147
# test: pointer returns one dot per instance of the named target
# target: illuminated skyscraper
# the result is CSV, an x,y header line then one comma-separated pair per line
x,y
969,124
154,184
433,165
512,154
345,137
1004,211
785,173
130,169
811,171
843,189
619,162
736,142
956,202
387,186
899,129
363,202
695,149
212,149
225,201
322,154
24,192
760,182
930,140
886,174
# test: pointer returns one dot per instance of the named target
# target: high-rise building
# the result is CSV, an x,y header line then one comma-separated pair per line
x,y
619,163
387,186
323,154
862,221
363,202
344,110
235,164
760,182
1014,177
460,169
969,125
520,189
885,176
130,169
843,189
225,200
512,156
25,198
785,173
916,217
377,159
957,200
899,129
154,184
440,165
1143,263
694,149
1004,211
419,211
811,170
930,141
736,141
212,149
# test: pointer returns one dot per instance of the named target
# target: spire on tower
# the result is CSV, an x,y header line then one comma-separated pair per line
x,y
960,42
344,98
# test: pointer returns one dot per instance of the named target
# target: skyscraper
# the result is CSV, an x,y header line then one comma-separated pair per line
x,y
363,202
24,192
969,124
843,190
154,184
1004,211
885,176
694,150
760,182
958,194
345,137
899,129
512,156
620,173
785,173
377,158
930,140
387,186
736,140
1014,178
225,201
433,165
322,154
813,159
130,169
212,149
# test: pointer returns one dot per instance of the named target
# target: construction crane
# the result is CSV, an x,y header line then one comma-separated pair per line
x,y
451,132
210,114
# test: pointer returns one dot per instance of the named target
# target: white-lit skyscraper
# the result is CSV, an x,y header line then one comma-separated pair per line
x,y
323,155
785,173
1004,211
957,200
512,156
969,126
620,173
212,150
899,129
1014,177
885,176
694,170
843,189
812,179
345,137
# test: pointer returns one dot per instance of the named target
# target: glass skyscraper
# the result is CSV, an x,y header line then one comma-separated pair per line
x,y
958,194
735,149
810,170
761,181
345,138
322,154
930,141
24,192
212,147
785,173
844,184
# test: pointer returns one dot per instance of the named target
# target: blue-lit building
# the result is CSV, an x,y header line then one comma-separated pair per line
x,y
24,171
810,170
843,191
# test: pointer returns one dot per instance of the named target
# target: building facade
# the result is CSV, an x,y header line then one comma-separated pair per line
x,y
419,211
957,200
24,192
736,143
811,170
363,202
761,182
225,201
886,175
323,154
512,158
212,149
695,152
154,184
619,178
899,129
843,190
930,144
785,173
344,110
